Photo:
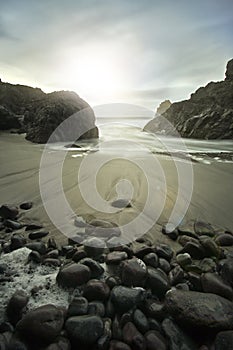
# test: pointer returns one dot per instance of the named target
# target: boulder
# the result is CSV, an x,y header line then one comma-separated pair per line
x,y
43,324
200,311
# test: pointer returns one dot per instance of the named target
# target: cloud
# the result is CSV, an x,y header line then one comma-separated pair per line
x,y
167,48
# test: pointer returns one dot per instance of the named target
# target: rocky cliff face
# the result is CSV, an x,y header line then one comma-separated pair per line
x,y
38,114
208,114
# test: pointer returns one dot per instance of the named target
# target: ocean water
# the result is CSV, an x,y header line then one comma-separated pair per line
x,y
116,133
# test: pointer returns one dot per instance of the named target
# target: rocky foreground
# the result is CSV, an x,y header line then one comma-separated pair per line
x,y
118,297
208,114
29,110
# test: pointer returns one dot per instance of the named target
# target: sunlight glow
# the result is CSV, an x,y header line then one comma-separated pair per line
x,y
94,75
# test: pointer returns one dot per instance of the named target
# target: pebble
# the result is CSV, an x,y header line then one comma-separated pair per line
x,y
26,205
78,307
177,339
78,254
212,283
133,337
121,203
155,341
125,298
176,275
142,251
164,251
16,306
140,321
51,262
39,247
114,258
224,240
118,345
227,270
154,309
184,259
61,344
73,275
224,340
8,211
210,247
96,308
151,259
86,329
182,240
43,324
96,290
164,265
133,272
33,227
187,230
158,282
96,269
195,250
94,246
14,225
17,242
203,228
38,234
35,256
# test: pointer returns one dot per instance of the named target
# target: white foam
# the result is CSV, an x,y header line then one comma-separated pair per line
x,y
26,279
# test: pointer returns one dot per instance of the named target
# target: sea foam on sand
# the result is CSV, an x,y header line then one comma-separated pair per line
x,y
26,279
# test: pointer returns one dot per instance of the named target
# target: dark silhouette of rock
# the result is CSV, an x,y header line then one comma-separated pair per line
x,y
229,71
38,114
208,114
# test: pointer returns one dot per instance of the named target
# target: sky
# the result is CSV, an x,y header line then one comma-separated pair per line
x,y
130,51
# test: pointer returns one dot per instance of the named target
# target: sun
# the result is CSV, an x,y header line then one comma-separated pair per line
x,y
95,75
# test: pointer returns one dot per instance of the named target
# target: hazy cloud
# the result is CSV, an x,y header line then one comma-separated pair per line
x,y
167,48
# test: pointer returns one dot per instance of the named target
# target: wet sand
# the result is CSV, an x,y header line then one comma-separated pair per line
x,y
212,197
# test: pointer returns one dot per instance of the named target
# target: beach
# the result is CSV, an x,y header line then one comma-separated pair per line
x,y
211,199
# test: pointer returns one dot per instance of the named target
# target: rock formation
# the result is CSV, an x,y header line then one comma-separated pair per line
x,y
31,111
208,114
163,107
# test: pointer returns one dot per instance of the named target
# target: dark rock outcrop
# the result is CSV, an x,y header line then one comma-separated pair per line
x,y
208,114
31,111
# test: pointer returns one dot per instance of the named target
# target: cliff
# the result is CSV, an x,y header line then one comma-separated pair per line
x,y
31,111
208,114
